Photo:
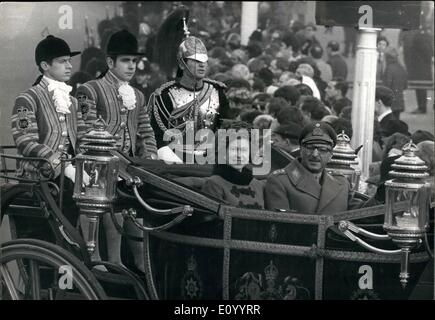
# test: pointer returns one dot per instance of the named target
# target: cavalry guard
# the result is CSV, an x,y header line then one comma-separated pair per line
x,y
190,97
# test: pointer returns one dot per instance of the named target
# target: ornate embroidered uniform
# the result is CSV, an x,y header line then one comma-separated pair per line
x,y
39,130
172,105
101,97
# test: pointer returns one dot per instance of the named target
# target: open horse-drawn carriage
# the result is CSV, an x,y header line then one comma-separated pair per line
x,y
196,247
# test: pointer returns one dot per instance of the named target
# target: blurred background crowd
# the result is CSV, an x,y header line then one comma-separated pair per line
x,y
290,72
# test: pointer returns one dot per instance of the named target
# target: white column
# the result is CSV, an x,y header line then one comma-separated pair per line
x,y
249,20
364,86
310,12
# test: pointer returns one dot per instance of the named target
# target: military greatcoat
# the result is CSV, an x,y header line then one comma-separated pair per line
x,y
294,188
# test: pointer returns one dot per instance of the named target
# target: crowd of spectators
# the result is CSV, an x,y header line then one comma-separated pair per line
x,y
282,79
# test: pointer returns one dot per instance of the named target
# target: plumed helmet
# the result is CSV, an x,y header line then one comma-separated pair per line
x,y
192,48
174,42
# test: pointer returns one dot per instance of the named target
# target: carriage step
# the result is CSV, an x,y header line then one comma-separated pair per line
x,y
112,277
117,286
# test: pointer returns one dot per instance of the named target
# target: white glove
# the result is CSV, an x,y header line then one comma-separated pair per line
x,y
85,178
70,172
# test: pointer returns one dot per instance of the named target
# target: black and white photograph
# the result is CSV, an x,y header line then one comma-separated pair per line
x,y
208,152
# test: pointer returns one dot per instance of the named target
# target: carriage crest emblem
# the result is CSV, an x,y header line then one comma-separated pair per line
x,y
191,283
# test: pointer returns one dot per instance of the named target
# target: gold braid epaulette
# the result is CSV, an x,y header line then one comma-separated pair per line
x,y
163,87
218,83
155,107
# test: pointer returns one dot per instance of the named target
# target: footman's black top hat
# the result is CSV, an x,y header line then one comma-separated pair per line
x,y
52,47
123,43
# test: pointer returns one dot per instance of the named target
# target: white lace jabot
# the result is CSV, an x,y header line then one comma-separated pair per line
x,y
61,96
128,96
125,91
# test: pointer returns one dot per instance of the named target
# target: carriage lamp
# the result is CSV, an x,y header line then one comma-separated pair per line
x,y
95,197
407,204
343,158
407,223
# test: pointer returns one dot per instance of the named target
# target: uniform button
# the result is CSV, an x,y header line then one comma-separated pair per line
x,y
123,110
122,125
61,147
56,162
64,133
61,118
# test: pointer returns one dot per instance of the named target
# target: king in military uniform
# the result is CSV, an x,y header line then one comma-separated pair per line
x,y
304,185
191,97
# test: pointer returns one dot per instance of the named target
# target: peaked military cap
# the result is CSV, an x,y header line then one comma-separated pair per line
x,y
52,47
123,43
318,132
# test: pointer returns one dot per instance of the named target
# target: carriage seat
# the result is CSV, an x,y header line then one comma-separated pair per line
x,y
190,175
191,182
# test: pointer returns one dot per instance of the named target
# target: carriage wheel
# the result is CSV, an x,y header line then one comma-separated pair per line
x,y
38,270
